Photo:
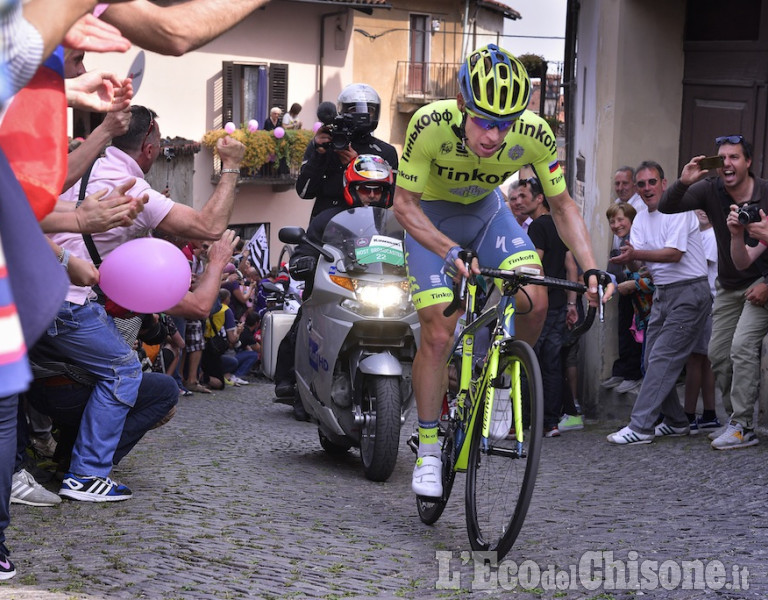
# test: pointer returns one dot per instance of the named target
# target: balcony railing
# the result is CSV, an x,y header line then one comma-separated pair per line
x,y
419,83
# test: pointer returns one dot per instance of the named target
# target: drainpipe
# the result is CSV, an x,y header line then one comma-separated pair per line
x,y
321,61
465,33
569,90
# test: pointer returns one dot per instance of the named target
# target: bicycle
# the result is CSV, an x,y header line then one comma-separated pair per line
x,y
501,469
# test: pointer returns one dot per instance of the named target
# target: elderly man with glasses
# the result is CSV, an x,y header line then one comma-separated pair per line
x,y
740,318
672,249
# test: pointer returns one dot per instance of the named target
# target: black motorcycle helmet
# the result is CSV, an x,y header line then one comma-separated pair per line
x,y
360,98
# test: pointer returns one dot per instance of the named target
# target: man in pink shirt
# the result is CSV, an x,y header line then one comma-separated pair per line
x,y
85,335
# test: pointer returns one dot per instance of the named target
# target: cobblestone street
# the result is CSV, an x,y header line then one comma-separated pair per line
x,y
235,499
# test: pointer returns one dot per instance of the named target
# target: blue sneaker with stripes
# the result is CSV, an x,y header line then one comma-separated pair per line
x,y
93,489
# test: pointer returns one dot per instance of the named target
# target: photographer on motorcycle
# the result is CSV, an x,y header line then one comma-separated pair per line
x,y
344,136
367,181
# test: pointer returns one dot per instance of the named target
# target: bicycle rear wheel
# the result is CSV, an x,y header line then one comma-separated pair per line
x,y
501,473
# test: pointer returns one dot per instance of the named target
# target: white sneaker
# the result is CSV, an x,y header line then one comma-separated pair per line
x,y
665,429
501,415
735,436
428,477
237,380
25,490
625,437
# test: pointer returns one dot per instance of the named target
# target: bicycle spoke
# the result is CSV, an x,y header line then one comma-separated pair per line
x,y
501,473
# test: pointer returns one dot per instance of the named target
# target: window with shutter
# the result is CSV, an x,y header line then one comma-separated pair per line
x,y
249,90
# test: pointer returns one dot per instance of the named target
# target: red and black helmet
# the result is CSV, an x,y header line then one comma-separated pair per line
x,y
368,170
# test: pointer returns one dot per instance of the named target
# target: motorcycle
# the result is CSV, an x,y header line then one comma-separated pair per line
x,y
357,337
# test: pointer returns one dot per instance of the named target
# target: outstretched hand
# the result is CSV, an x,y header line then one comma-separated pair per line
x,y
99,91
692,172
94,35
97,213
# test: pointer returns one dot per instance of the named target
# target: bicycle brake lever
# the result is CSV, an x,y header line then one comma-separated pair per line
x,y
600,304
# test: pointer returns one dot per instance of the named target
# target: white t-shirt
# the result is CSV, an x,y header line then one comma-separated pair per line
x,y
710,252
656,230
637,203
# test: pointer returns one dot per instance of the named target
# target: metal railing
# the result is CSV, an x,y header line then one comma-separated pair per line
x,y
425,82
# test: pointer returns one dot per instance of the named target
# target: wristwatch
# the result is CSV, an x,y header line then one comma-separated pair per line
x,y
63,258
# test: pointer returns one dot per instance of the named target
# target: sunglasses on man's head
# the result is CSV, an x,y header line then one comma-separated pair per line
x,y
651,182
489,124
729,139
151,127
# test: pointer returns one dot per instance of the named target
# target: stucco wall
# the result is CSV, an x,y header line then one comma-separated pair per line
x,y
186,93
628,102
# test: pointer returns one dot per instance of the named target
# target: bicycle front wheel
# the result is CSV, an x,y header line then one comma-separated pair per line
x,y
501,473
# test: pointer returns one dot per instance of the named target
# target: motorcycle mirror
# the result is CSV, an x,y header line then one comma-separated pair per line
x,y
291,235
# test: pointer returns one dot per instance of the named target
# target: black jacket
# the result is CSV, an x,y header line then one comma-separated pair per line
x,y
322,175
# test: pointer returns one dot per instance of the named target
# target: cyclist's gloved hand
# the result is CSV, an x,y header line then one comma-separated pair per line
x,y
449,262
603,278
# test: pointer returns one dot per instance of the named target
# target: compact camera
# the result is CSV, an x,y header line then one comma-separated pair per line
x,y
749,213
169,153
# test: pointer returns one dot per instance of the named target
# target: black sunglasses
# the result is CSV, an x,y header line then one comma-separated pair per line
x,y
650,182
151,127
729,139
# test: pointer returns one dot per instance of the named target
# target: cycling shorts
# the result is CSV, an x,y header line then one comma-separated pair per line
x,y
487,226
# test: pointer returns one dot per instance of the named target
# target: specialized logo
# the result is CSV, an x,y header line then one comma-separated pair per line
x,y
473,191
516,152
501,242
446,148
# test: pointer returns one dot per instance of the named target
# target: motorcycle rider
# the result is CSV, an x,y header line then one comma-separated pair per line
x,y
322,169
367,181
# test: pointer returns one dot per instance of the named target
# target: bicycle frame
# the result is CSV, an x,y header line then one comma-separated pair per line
x,y
469,387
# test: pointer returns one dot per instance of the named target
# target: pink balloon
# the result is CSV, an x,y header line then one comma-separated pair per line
x,y
278,132
253,125
316,126
230,127
145,275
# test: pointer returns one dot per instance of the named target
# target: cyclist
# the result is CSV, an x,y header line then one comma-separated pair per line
x,y
455,156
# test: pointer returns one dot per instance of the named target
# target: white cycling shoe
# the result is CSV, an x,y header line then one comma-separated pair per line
x,y
427,477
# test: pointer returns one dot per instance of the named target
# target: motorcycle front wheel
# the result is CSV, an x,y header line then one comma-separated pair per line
x,y
380,432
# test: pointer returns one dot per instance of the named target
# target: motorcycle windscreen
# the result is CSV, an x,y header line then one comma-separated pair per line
x,y
370,239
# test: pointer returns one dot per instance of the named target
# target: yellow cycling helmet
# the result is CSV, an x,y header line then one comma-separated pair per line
x,y
494,84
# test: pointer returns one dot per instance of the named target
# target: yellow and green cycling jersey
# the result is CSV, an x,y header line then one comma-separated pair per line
x,y
436,164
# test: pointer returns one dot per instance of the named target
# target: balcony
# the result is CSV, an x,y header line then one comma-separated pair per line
x,y
268,160
419,83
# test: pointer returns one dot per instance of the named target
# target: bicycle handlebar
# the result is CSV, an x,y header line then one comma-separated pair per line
x,y
519,278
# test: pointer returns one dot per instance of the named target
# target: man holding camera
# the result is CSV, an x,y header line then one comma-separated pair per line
x,y
740,318
343,136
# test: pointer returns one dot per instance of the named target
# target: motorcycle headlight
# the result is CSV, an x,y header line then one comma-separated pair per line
x,y
380,300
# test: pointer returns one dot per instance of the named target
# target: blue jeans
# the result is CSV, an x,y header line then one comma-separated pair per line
x,y
158,393
86,336
547,349
245,360
8,418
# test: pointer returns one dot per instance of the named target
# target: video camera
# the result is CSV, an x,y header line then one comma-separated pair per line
x,y
341,127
